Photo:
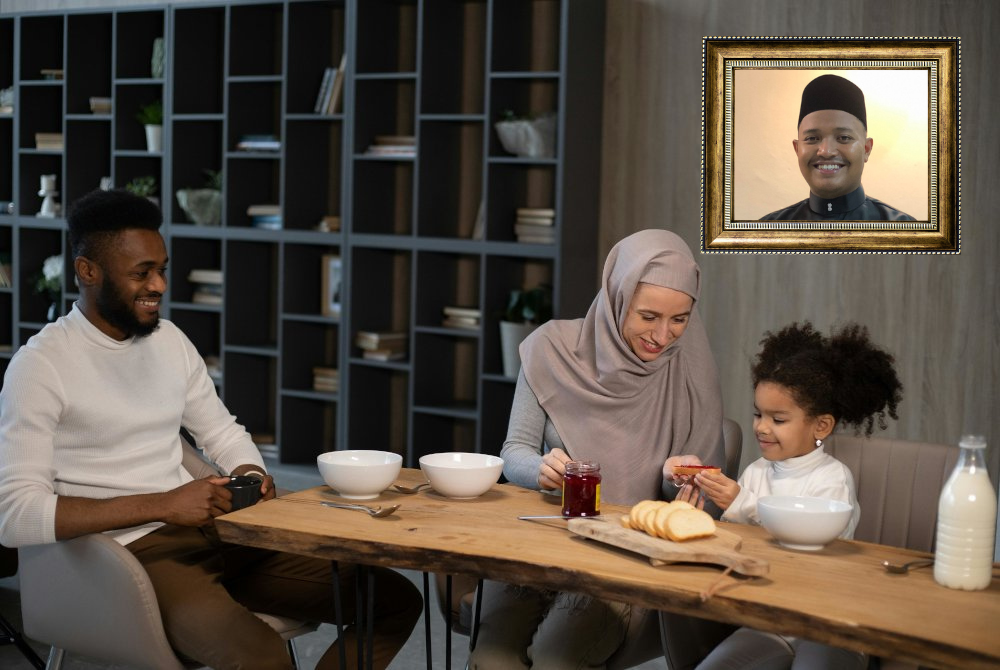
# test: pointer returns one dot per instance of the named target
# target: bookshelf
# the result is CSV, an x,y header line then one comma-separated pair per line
x,y
434,75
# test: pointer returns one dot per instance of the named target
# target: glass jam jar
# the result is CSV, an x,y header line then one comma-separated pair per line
x,y
581,493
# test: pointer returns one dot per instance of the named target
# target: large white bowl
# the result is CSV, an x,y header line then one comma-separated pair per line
x,y
360,474
459,474
802,522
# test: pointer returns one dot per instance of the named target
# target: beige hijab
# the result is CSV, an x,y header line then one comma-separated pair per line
x,y
604,401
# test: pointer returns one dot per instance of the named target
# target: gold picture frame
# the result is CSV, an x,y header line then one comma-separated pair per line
x,y
752,87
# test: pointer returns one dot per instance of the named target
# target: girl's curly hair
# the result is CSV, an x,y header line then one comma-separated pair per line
x,y
845,375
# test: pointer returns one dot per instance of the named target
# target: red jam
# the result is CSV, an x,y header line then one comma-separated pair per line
x,y
581,495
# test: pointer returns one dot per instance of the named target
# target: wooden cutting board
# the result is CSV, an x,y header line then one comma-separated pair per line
x,y
720,549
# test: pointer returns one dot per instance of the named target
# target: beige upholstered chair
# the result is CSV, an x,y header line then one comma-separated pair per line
x,y
91,596
8,633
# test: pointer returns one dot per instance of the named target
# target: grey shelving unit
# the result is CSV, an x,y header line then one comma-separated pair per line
x,y
442,71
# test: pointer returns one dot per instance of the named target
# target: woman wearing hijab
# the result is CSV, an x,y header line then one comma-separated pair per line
x,y
634,386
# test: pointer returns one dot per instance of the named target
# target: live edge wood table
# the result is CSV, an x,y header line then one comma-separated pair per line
x,y
839,595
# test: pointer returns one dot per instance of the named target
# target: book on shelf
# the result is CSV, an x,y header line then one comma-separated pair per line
x,y
326,379
393,145
51,73
460,322
258,143
535,220
535,239
205,276
337,87
374,341
208,294
544,212
383,355
468,312
325,87
265,216
49,141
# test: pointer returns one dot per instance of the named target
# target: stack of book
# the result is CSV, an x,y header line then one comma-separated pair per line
x,y
51,141
258,143
330,89
265,216
207,286
535,225
326,380
399,146
381,346
461,317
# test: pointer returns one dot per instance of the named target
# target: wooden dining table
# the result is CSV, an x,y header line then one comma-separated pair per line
x,y
839,595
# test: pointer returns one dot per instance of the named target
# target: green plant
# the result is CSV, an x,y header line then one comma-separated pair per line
x,y
151,114
144,186
530,305
214,179
49,280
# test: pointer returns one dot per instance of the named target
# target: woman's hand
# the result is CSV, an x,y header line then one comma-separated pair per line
x,y
550,475
674,461
719,488
691,494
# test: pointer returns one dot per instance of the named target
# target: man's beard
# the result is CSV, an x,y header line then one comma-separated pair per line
x,y
120,314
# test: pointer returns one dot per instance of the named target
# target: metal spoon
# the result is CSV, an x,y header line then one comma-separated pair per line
x,y
377,512
906,567
410,489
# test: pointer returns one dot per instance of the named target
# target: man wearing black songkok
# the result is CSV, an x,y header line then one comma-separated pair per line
x,y
832,148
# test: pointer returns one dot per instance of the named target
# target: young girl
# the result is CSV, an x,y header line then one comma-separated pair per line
x,y
804,385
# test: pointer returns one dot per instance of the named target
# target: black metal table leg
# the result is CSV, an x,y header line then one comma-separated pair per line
x,y
447,622
427,620
338,611
475,617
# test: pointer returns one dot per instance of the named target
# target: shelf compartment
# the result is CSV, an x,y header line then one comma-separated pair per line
x,y
202,328
136,32
312,432
39,111
188,254
89,44
381,304
389,109
525,98
6,52
88,157
255,109
198,60
433,433
7,165
6,324
129,167
32,167
315,42
303,278
504,273
35,246
312,189
249,390
525,35
383,197
129,132
42,45
255,39
197,147
498,399
307,346
379,397
259,184
252,308
513,186
445,279
451,183
388,23
454,53
445,371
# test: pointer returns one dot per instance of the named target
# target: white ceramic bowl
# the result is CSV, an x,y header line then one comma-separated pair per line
x,y
459,474
802,522
360,474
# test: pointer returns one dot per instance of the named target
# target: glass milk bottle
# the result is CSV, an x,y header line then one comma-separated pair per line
x,y
967,514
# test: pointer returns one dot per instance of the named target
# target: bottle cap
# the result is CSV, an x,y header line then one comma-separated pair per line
x,y
972,442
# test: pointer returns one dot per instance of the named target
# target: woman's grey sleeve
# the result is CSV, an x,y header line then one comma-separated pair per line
x,y
522,450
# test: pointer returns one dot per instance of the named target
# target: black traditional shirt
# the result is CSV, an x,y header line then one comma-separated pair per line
x,y
854,206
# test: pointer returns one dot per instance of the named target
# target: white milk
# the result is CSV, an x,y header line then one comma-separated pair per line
x,y
967,516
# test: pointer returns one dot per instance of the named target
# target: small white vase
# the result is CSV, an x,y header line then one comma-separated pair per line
x,y
511,335
154,139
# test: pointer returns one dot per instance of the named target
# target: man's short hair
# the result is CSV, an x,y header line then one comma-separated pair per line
x,y
98,216
830,91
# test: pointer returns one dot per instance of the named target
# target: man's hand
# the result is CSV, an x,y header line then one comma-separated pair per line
x,y
550,475
266,487
197,503
719,488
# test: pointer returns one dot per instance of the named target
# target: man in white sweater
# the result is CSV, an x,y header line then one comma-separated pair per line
x,y
90,414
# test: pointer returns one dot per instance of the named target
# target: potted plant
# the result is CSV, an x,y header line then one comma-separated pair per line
x,y
151,116
530,137
526,310
144,186
203,206
48,282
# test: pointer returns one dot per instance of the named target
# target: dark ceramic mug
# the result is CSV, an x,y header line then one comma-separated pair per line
x,y
246,490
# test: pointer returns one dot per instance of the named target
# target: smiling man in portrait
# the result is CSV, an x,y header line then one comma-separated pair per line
x,y
832,148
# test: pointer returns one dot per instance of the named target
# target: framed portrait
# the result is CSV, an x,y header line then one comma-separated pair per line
x,y
331,276
831,145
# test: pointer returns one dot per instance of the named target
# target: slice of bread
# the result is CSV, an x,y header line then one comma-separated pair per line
x,y
694,469
689,524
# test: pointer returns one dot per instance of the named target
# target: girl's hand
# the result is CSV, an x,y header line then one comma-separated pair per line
x,y
721,489
673,461
550,475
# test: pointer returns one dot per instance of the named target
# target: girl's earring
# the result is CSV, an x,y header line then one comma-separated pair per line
x,y
819,443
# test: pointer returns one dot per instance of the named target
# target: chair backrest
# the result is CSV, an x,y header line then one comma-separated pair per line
x,y
899,483
732,442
